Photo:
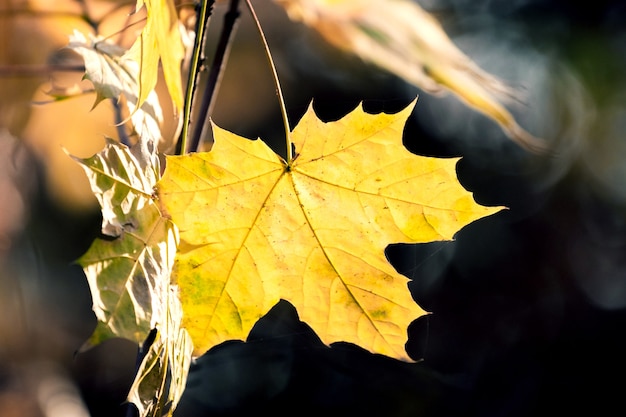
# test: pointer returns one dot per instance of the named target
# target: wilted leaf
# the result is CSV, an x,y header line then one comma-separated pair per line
x,y
402,38
255,229
159,41
114,75
162,375
129,272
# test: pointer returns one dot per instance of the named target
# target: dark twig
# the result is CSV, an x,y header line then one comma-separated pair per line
x,y
204,12
119,123
215,74
22,71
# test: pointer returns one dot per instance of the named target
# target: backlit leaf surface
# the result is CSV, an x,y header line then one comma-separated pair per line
x,y
160,41
168,359
255,229
129,271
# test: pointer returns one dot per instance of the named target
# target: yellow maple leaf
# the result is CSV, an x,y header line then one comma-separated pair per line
x,y
404,39
255,229
160,41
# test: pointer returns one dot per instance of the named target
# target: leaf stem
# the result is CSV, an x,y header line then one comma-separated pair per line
x,y
279,93
195,67
215,74
119,123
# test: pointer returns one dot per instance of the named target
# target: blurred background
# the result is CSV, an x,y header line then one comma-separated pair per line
x,y
528,306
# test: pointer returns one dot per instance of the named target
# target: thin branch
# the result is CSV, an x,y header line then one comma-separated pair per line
x,y
24,71
119,123
197,59
36,13
215,74
279,93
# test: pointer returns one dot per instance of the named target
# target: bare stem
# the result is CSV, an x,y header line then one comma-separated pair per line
x,y
195,67
215,74
279,93
119,123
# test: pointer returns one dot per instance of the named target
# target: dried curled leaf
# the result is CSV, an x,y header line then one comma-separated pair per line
x,y
129,272
121,183
255,229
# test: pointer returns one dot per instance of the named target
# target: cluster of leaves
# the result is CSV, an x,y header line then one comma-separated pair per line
x,y
195,256
129,268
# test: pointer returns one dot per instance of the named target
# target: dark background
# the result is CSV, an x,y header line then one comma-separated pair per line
x,y
528,306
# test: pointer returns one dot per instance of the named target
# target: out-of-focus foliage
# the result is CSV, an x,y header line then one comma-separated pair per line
x,y
115,76
40,65
402,38
159,41
33,35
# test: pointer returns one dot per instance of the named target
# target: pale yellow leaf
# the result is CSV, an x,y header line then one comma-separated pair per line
x,y
160,41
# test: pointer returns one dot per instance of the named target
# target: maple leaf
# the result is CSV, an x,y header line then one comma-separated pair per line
x,y
404,39
128,272
129,276
114,75
255,229
160,41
